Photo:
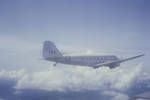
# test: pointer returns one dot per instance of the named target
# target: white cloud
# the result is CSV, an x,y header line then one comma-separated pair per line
x,y
74,78
15,75
116,95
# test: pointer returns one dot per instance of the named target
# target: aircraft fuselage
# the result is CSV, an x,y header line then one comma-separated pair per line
x,y
82,60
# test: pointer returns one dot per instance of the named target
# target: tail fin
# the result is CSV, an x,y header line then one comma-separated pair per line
x,y
50,50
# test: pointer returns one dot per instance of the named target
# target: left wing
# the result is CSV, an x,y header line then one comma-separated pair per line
x,y
115,63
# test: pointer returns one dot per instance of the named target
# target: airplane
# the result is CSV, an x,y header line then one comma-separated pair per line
x,y
51,53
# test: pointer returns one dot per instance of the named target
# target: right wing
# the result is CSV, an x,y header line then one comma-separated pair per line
x,y
111,63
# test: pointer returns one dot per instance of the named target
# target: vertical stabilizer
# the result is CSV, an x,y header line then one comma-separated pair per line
x,y
50,50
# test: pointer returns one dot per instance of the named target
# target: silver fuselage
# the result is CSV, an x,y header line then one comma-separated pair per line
x,y
82,60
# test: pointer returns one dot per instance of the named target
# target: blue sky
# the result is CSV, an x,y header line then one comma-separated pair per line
x,y
103,25
119,27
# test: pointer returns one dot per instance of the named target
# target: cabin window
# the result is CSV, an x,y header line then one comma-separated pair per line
x,y
101,58
87,58
111,58
54,52
97,58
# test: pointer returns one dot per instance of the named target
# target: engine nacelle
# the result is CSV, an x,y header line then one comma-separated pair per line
x,y
114,65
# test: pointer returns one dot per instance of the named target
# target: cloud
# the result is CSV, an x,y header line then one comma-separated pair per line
x,y
78,78
116,95
13,75
110,83
74,78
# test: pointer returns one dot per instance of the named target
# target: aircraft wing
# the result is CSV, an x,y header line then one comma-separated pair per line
x,y
111,63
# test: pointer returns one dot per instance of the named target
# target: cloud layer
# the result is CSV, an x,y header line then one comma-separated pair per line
x,y
110,83
74,78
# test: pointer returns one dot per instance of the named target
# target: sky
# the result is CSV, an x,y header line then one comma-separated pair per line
x,y
119,27
105,26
